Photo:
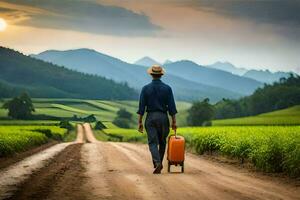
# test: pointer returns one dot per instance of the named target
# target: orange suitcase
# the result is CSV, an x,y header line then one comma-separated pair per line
x,y
176,151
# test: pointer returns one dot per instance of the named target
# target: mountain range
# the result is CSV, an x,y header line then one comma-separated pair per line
x,y
42,79
189,80
228,67
264,76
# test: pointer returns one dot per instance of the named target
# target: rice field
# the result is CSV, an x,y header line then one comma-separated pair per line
x,y
20,138
269,148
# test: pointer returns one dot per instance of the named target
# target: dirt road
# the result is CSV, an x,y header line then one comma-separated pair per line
x,y
98,170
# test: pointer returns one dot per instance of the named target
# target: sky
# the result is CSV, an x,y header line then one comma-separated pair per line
x,y
254,34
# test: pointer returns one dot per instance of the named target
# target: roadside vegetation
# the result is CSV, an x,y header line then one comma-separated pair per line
x,y
269,148
20,138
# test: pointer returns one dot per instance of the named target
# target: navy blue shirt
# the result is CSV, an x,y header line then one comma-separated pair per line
x,y
157,96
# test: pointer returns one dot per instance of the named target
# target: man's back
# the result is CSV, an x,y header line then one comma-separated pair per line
x,y
157,96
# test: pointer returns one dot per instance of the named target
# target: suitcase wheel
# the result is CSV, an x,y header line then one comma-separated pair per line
x,y
181,164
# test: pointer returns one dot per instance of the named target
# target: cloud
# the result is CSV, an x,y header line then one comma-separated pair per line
x,y
85,16
261,11
284,15
5,10
283,12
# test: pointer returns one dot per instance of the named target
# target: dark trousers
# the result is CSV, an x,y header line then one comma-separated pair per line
x,y
158,127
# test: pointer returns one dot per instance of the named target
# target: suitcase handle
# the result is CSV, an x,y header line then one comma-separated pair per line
x,y
175,131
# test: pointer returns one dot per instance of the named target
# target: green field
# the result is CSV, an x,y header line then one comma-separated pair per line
x,y
104,111
19,138
126,135
290,116
269,148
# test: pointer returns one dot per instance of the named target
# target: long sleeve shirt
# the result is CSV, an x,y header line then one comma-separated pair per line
x,y
157,96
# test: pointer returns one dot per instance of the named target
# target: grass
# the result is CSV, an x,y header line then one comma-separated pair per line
x,y
70,137
125,135
109,125
100,135
20,138
269,148
27,122
290,116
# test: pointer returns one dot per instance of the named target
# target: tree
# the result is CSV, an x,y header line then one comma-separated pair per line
x,y
122,122
91,118
282,94
123,118
200,113
66,124
123,113
20,107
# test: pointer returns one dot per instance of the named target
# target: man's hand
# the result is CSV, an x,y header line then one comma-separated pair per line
x,y
141,127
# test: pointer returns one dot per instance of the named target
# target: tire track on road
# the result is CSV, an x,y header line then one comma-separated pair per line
x,y
18,174
12,176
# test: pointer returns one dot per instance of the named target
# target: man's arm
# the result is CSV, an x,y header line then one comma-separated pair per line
x,y
172,109
174,125
141,111
140,124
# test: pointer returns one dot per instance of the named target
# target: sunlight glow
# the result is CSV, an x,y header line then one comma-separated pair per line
x,y
2,24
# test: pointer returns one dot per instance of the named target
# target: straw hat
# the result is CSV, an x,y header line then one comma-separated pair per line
x,y
156,69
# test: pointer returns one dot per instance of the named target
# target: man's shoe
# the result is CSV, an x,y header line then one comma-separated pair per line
x,y
158,169
154,166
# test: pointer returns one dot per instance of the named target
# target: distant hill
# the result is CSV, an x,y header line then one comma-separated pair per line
x,y
266,76
271,97
228,67
147,62
213,77
42,79
288,116
92,62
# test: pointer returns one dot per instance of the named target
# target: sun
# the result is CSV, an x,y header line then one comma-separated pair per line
x,y
2,24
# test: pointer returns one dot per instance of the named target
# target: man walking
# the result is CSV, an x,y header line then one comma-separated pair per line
x,y
158,100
